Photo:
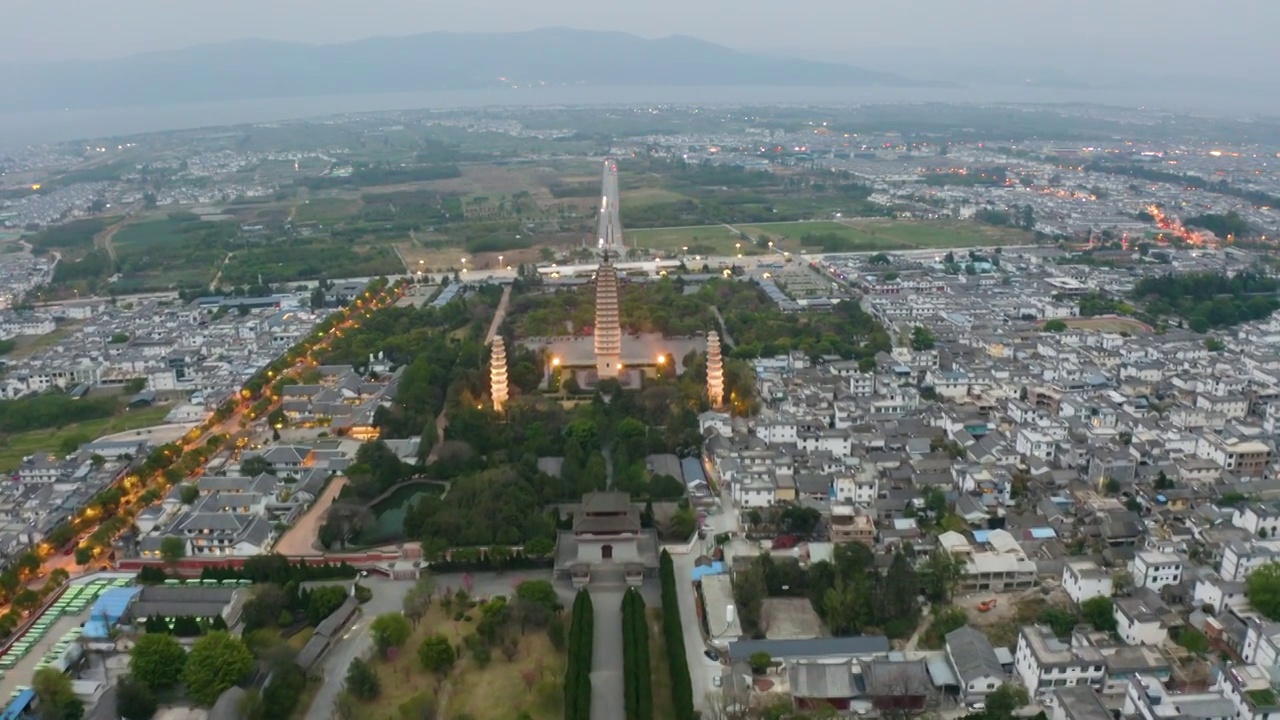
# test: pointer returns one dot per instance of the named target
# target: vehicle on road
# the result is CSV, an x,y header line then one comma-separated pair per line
x,y
717,680
712,655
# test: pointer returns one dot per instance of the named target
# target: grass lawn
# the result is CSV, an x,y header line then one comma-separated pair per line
x,y
700,239
326,208
150,232
663,706
17,446
649,196
869,234
497,690
789,234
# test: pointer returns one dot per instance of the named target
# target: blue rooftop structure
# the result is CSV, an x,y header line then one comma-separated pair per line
x,y
981,536
107,611
701,571
18,706
446,295
1043,533
692,469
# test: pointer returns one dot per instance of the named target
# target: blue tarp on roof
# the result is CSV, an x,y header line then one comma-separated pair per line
x,y
18,705
701,571
692,469
107,610
1043,533
980,536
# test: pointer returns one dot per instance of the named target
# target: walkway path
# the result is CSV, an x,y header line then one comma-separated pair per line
x,y
499,315
606,654
724,331
300,539
442,420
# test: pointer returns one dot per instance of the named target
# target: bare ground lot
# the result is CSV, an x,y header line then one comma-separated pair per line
x,y
1110,323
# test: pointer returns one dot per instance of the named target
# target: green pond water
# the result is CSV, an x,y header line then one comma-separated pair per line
x,y
389,514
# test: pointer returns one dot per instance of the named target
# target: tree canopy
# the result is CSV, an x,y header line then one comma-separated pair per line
x,y
157,660
216,662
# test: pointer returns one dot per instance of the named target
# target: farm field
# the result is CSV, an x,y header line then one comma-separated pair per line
x,y
700,239
323,209
869,234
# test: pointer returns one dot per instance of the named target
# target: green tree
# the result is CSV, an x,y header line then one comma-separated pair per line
x,y
362,682
134,700
436,654
323,601
1099,611
57,700
216,662
255,466
390,630
157,660
173,548
188,493
939,575
922,339
1054,325
539,592
759,662
1005,701
1263,590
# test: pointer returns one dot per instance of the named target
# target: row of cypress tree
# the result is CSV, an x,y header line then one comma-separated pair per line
x,y
577,676
635,657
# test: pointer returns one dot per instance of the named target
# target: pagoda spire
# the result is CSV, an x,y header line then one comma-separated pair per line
x,y
715,371
498,374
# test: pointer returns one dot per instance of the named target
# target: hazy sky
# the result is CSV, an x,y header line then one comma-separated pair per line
x,y
1185,34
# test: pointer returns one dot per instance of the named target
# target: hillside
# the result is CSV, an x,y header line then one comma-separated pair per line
x,y
251,69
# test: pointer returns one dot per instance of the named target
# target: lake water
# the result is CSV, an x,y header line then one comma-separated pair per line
x,y
17,129
389,514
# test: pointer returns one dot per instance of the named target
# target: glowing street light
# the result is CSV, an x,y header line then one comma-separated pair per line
x,y
555,362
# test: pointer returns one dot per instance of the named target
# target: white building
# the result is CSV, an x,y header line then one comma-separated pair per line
x,y
1155,570
1044,662
1261,520
1138,624
1083,580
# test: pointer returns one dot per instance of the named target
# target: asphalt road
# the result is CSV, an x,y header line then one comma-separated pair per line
x,y
388,596
606,656
702,670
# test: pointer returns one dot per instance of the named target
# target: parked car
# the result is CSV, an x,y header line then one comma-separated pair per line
x,y
717,680
712,655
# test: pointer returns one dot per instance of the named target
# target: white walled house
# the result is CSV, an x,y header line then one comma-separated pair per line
x,y
1241,558
975,663
1083,580
1261,520
1043,662
1219,594
860,488
1137,624
1155,570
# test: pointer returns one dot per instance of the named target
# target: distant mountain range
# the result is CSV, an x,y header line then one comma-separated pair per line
x,y
250,69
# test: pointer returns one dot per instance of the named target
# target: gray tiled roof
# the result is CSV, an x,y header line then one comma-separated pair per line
x,y
972,654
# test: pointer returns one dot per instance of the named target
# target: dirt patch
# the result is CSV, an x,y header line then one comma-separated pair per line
x,y
301,538
1110,323
789,619
1010,612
